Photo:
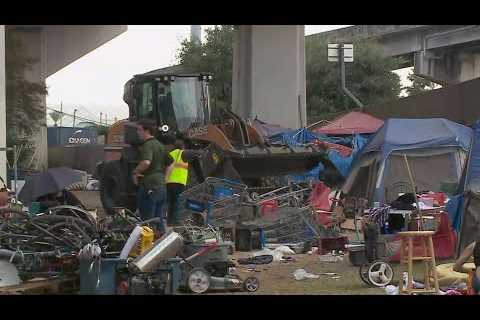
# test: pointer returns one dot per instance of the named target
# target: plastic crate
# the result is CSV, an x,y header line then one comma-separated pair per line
x,y
326,245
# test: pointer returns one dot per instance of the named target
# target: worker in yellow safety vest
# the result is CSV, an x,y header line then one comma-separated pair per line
x,y
177,178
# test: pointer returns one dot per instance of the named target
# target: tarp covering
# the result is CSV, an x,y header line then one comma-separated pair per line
x,y
436,149
267,129
464,209
473,170
296,137
344,163
398,134
340,155
454,209
351,123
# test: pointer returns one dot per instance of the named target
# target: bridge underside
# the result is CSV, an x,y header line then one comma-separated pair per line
x,y
446,54
53,47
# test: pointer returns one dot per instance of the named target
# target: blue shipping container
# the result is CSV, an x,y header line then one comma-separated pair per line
x,y
59,136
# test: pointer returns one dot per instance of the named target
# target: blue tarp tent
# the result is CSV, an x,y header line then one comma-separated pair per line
x,y
304,136
464,208
436,149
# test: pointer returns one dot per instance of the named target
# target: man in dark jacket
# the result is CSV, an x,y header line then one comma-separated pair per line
x,y
150,174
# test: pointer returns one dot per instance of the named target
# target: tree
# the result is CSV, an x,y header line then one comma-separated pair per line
x,y
215,55
418,85
24,107
56,116
369,78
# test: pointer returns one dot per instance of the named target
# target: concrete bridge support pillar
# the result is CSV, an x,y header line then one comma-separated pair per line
x,y
34,44
269,74
3,113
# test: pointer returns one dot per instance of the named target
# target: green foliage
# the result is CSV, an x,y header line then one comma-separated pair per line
x,y
369,78
24,108
214,55
419,85
56,116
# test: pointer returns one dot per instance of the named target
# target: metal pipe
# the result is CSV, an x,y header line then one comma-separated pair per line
x,y
344,87
15,171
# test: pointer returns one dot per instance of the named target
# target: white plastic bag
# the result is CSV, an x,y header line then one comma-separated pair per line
x,y
284,250
301,274
391,290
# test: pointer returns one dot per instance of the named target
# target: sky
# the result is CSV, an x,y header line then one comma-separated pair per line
x,y
94,83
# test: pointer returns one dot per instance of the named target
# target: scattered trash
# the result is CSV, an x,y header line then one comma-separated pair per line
x,y
330,258
284,250
336,277
328,274
391,290
262,259
416,285
301,274
280,254
288,259
453,293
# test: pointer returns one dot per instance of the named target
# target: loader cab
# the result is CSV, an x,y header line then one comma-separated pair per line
x,y
176,102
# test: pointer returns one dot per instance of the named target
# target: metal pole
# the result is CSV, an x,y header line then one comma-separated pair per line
x,y
414,188
299,103
344,87
15,170
100,118
61,113
74,116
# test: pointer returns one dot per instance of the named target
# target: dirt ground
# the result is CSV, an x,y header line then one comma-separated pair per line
x,y
277,277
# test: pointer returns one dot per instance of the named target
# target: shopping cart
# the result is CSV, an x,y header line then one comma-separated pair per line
x,y
292,195
214,199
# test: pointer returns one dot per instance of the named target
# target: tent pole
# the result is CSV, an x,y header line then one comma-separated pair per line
x,y
414,188
466,202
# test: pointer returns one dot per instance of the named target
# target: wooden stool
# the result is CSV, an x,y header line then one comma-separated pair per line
x,y
407,258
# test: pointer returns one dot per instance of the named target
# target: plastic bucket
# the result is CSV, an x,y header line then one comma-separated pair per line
x,y
103,272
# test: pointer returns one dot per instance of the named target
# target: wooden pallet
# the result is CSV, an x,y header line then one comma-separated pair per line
x,y
65,285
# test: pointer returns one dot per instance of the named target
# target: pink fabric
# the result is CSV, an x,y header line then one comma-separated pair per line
x,y
319,197
351,123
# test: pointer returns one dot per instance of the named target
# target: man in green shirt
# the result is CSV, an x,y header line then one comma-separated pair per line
x,y
150,173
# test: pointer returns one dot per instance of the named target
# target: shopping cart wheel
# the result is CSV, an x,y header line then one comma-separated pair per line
x,y
363,271
380,273
251,284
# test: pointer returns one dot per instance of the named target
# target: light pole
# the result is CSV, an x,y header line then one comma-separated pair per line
x,y
342,53
74,116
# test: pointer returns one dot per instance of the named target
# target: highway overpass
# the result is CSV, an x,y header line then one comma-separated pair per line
x,y
446,54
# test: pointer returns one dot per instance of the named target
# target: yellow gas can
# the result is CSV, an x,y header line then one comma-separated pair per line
x,y
144,242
